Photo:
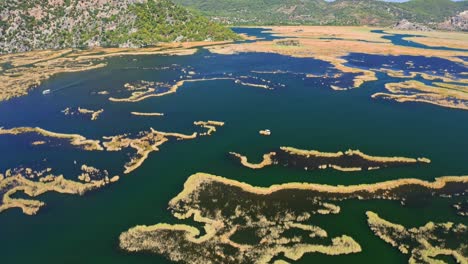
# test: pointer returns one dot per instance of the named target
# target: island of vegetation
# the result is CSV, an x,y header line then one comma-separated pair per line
x,y
268,159
462,208
286,231
258,85
38,143
146,114
444,90
350,160
144,143
90,174
93,114
74,139
442,94
247,224
210,125
423,244
143,90
35,183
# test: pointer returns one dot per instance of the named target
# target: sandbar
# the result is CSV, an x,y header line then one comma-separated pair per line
x,y
94,114
146,114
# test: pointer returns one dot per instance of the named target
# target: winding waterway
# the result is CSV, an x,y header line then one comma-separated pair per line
x,y
402,40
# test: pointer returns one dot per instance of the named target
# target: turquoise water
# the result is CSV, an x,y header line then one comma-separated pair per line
x,y
304,113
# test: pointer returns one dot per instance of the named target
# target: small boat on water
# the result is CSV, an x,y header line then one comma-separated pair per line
x,y
46,92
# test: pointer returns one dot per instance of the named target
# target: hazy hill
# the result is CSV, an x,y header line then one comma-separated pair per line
x,y
320,12
44,24
433,10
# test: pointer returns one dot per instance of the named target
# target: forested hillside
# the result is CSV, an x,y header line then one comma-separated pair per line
x,y
320,12
54,24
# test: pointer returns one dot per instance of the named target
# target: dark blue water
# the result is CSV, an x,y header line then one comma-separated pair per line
x,y
430,65
260,33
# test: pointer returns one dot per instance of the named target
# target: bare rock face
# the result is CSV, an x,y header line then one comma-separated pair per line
x,y
458,22
407,25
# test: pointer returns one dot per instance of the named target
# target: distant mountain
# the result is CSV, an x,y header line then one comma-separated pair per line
x,y
320,12
433,11
363,12
52,24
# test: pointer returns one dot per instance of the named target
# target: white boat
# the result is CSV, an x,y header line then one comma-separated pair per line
x,y
46,91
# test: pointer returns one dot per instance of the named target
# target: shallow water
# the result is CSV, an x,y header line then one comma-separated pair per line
x,y
301,112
